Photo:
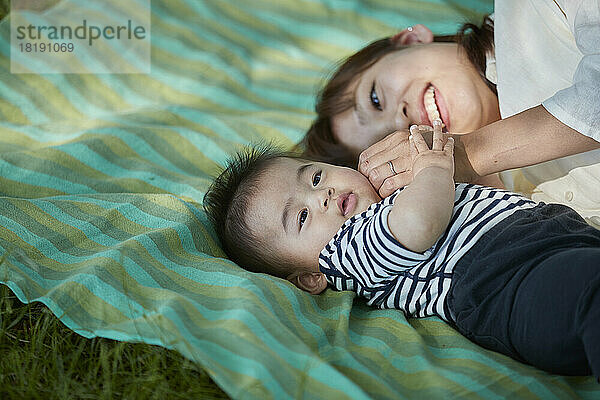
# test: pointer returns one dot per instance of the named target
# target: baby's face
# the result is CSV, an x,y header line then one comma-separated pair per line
x,y
302,204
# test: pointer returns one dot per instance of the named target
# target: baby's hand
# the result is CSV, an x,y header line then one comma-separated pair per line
x,y
440,155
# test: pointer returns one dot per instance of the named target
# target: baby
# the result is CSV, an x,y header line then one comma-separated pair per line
x,y
512,275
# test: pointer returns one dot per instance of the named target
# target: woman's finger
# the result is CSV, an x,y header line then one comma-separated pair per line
x,y
379,174
438,137
398,150
383,171
393,183
419,142
390,142
400,154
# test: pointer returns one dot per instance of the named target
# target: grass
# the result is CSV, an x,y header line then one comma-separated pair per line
x,y
38,5
4,8
40,358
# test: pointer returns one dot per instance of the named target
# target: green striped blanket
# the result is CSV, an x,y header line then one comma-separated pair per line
x,y
101,184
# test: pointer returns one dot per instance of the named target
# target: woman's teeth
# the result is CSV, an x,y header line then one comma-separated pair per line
x,y
430,106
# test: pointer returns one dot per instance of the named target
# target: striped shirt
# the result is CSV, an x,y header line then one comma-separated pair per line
x,y
364,256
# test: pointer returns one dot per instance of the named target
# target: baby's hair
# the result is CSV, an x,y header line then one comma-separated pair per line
x,y
226,203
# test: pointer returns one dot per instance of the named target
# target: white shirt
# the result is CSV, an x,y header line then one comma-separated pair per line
x,y
548,52
364,256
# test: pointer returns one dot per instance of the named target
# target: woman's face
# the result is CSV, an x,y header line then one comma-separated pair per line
x,y
413,86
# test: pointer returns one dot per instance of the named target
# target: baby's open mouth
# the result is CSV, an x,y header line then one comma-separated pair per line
x,y
346,203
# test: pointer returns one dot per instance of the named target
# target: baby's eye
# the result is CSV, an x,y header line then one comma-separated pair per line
x,y
302,217
316,178
374,98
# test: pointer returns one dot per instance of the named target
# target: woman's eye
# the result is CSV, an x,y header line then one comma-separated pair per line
x,y
316,178
374,99
302,217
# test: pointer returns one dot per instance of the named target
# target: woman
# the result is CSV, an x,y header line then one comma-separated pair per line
x,y
547,52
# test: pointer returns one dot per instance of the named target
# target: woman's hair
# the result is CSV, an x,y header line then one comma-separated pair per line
x,y
320,143
226,203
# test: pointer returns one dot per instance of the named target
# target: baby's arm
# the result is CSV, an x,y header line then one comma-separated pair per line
x,y
422,211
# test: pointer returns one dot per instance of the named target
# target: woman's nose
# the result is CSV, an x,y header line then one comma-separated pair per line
x,y
401,116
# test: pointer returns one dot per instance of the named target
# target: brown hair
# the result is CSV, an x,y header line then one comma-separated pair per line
x,y
226,204
320,143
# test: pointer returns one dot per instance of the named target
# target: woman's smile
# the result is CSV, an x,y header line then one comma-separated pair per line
x,y
433,107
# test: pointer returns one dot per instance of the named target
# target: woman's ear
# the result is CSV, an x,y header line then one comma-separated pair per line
x,y
311,282
412,35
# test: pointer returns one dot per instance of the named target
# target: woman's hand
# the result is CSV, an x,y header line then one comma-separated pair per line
x,y
374,162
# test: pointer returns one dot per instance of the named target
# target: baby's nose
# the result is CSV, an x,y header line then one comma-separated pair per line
x,y
327,198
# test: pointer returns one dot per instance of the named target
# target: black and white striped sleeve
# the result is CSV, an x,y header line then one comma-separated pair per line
x,y
366,255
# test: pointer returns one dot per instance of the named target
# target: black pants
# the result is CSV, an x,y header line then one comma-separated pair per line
x,y
530,288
